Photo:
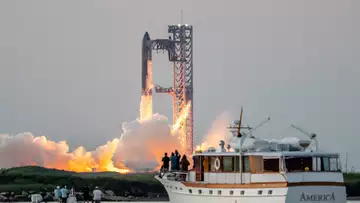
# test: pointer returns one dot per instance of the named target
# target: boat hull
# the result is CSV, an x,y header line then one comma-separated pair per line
x,y
180,193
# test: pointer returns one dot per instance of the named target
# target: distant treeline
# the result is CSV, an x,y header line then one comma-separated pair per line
x,y
352,182
34,178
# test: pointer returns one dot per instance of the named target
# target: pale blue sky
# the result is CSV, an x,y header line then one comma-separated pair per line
x,y
71,69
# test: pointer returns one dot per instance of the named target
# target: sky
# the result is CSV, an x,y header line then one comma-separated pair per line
x,y
71,70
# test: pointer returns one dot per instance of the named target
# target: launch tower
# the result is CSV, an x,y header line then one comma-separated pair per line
x,y
180,52
183,79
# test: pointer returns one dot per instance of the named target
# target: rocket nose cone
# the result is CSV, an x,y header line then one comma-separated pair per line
x,y
146,36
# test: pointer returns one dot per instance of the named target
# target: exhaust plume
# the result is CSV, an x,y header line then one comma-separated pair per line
x,y
140,147
217,132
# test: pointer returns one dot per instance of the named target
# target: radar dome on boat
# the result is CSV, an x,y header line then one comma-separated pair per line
x,y
304,143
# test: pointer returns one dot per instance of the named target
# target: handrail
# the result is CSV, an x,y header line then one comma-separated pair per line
x,y
221,178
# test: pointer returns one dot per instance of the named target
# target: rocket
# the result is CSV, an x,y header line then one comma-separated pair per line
x,y
146,69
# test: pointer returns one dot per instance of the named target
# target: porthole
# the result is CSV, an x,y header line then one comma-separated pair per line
x,y
260,192
180,188
199,191
210,192
175,188
231,192
242,192
190,191
270,192
219,192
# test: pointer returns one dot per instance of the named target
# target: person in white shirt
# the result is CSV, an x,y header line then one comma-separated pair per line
x,y
72,196
97,195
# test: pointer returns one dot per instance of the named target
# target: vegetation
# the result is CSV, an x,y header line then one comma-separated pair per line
x,y
352,182
34,178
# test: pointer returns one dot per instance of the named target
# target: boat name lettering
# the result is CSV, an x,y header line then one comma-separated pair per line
x,y
318,198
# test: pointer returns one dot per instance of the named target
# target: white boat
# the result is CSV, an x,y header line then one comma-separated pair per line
x,y
271,171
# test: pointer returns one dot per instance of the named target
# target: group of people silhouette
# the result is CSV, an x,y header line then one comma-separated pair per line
x,y
63,195
177,163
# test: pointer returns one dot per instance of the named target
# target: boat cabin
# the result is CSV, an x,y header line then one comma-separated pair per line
x,y
212,166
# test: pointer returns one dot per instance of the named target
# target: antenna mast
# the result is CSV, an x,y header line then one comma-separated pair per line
x,y
240,121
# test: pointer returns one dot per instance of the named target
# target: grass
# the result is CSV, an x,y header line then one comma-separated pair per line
x,y
35,178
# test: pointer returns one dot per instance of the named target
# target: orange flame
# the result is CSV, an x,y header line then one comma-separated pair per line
x,y
177,125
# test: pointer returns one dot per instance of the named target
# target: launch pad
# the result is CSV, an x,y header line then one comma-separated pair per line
x,y
179,47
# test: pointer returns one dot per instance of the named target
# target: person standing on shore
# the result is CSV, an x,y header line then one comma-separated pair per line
x,y
72,196
86,192
64,194
97,195
58,194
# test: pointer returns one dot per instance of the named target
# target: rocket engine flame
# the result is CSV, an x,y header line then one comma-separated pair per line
x,y
146,107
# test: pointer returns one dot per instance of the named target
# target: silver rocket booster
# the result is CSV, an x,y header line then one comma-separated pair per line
x,y
146,69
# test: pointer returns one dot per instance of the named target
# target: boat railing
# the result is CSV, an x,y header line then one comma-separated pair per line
x,y
174,175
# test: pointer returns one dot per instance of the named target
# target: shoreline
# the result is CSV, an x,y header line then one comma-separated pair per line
x,y
353,198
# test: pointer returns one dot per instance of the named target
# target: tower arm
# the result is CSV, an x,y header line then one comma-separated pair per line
x,y
165,45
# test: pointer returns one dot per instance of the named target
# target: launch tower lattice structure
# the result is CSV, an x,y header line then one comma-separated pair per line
x,y
183,79
180,51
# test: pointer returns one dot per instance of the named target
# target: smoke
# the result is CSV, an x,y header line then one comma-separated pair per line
x,y
217,132
143,144
140,147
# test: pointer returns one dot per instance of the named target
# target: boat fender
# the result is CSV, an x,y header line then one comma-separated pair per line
x,y
217,163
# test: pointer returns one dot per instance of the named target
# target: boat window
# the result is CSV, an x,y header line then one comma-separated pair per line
x,y
333,164
338,164
318,164
330,164
325,162
196,162
228,164
245,164
271,165
298,164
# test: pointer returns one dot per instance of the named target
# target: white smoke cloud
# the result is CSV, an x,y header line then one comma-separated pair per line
x,y
140,146
144,143
217,132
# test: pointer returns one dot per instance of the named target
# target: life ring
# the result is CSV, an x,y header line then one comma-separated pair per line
x,y
217,163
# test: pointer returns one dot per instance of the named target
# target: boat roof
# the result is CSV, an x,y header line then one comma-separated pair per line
x,y
269,154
